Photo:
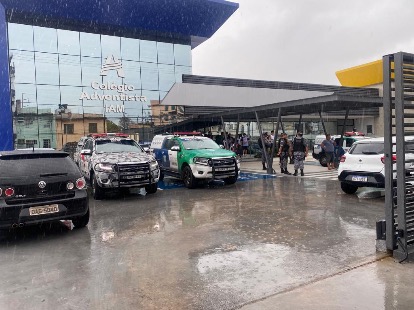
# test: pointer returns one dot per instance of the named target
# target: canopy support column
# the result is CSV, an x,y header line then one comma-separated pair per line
x,y
266,155
279,118
225,133
322,122
344,127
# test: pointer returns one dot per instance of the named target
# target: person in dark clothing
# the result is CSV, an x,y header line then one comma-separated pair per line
x,y
300,152
284,151
338,152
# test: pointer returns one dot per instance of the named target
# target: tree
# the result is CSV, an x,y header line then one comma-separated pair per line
x,y
124,122
111,126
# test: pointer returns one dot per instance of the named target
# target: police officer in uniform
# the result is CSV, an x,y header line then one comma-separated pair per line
x,y
284,152
300,151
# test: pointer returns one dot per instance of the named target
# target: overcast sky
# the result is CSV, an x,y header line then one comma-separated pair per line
x,y
305,40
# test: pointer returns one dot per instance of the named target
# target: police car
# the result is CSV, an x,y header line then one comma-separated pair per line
x,y
115,162
194,158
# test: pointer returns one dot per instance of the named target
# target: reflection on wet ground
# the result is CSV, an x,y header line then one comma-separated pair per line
x,y
207,248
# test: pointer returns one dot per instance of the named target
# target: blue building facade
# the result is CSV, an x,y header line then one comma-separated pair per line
x,y
98,59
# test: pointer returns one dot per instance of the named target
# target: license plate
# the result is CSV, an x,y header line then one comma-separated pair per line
x,y
224,169
44,210
358,178
130,177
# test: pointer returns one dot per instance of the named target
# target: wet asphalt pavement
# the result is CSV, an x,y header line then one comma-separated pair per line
x,y
208,248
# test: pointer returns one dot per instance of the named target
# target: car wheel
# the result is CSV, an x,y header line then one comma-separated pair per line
x,y
152,188
323,161
81,221
230,180
348,188
98,192
188,178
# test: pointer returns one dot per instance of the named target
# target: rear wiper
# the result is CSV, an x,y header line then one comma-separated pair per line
x,y
52,174
370,153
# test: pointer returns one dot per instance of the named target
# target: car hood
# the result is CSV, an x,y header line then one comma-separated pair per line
x,y
210,153
124,157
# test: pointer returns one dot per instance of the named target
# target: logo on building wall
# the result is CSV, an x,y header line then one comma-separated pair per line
x,y
112,63
124,92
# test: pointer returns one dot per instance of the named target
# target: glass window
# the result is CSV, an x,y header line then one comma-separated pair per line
x,y
20,37
182,54
68,42
91,68
165,53
45,39
149,76
130,49
47,70
24,66
69,129
90,44
48,96
25,96
148,51
179,71
132,71
71,96
46,143
70,70
111,46
166,77
93,127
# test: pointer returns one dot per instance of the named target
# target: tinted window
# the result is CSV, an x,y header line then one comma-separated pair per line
x,y
28,166
367,148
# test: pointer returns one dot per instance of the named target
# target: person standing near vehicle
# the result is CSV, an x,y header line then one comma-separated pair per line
x,y
284,152
328,147
338,152
300,152
245,143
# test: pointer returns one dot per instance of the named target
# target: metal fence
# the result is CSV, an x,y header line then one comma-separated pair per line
x,y
399,153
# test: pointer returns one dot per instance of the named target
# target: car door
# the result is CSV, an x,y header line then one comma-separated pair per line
x,y
173,155
84,159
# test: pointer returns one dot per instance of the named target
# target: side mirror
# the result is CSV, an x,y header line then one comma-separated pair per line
x,y
175,148
221,146
86,152
147,150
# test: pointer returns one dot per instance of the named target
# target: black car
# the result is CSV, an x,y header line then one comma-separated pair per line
x,y
41,186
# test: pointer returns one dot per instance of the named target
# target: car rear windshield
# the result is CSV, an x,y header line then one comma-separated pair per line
x,y
367,148
27,166
117,146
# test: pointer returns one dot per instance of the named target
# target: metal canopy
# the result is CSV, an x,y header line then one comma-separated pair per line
x,y
198,19
331,103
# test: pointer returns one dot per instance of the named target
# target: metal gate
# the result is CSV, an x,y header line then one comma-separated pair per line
x,y
399,153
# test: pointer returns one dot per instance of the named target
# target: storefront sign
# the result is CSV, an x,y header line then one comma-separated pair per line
x,y
124,91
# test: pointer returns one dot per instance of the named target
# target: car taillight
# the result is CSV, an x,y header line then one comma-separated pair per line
x,y
80,183
393,157
9,192
343,158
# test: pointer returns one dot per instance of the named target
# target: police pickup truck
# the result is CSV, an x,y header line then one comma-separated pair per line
x,y
194,159
116,162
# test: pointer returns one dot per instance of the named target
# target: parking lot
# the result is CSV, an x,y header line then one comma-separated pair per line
x,y
214,247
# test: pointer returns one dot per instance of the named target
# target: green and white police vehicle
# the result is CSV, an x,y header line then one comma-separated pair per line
x,y
194,159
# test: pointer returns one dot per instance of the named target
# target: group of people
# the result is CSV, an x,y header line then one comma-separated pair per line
x,y
333,151
239,144
286,149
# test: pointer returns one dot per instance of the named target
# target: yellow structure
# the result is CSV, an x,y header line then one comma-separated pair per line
x,y
362,76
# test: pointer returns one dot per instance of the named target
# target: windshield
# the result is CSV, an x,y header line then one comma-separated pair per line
x,y
197,144
116,146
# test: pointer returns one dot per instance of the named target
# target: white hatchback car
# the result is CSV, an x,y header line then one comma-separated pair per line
x,y
363,165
